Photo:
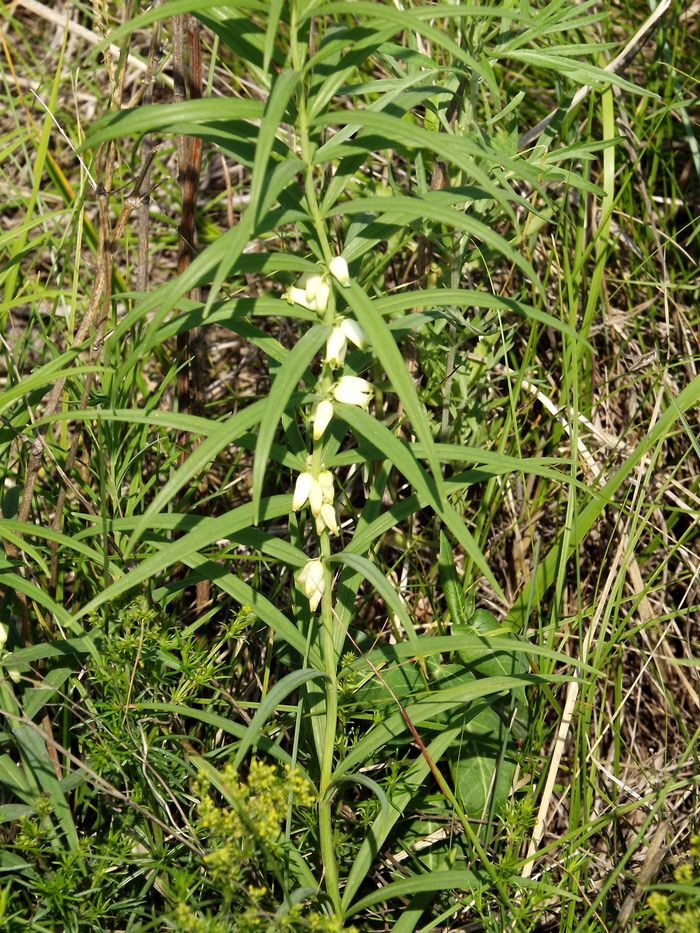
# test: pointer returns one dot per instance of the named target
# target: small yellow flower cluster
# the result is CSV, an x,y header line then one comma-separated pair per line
x,y
261,807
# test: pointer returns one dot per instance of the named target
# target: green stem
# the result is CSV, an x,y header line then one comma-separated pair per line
x,y
325,816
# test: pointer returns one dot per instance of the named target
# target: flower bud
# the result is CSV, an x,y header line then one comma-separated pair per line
x,y
311,578
4,632
339,270
321,418
353,390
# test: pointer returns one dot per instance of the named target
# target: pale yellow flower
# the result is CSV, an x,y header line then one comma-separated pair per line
x,y
339,270
311,578
321,418
353,390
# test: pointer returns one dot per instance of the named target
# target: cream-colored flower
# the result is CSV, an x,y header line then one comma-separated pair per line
x,y
311,579
302,490
339,270
316,497
297,296
325,478
4,632
353,390
354,332
321,418
317,292
336,345
326,518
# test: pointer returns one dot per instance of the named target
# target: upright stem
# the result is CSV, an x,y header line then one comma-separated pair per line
x,y
325,821
325,815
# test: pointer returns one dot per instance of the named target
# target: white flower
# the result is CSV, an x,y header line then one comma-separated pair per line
x,y
321,417
297,296
326,518
316,497
339,270
317,292
352,390
336,345
311,578
302,490
354,332
4,632
345,329
325,478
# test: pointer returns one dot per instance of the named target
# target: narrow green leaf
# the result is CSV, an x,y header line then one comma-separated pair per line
x,y
14,581
547,569
433,881
269,704
275,107
387,352
404,461
221,436
170,118
285,383
380,583
409,210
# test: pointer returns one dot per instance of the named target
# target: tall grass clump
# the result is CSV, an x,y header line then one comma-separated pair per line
x,y
349,448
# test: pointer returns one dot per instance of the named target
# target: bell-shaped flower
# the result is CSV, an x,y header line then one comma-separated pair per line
x,y
326,518
297,296
302,490
336,345
339,270
354,332
317,292
321,418
316,497
325,478
311,578
353,390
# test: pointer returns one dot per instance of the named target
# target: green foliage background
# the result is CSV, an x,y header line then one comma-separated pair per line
x,y
490,722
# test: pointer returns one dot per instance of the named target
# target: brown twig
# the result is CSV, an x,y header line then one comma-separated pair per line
x,y
190,351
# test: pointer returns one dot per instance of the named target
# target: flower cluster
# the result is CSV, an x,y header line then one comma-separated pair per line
x,y
315,485
318,492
